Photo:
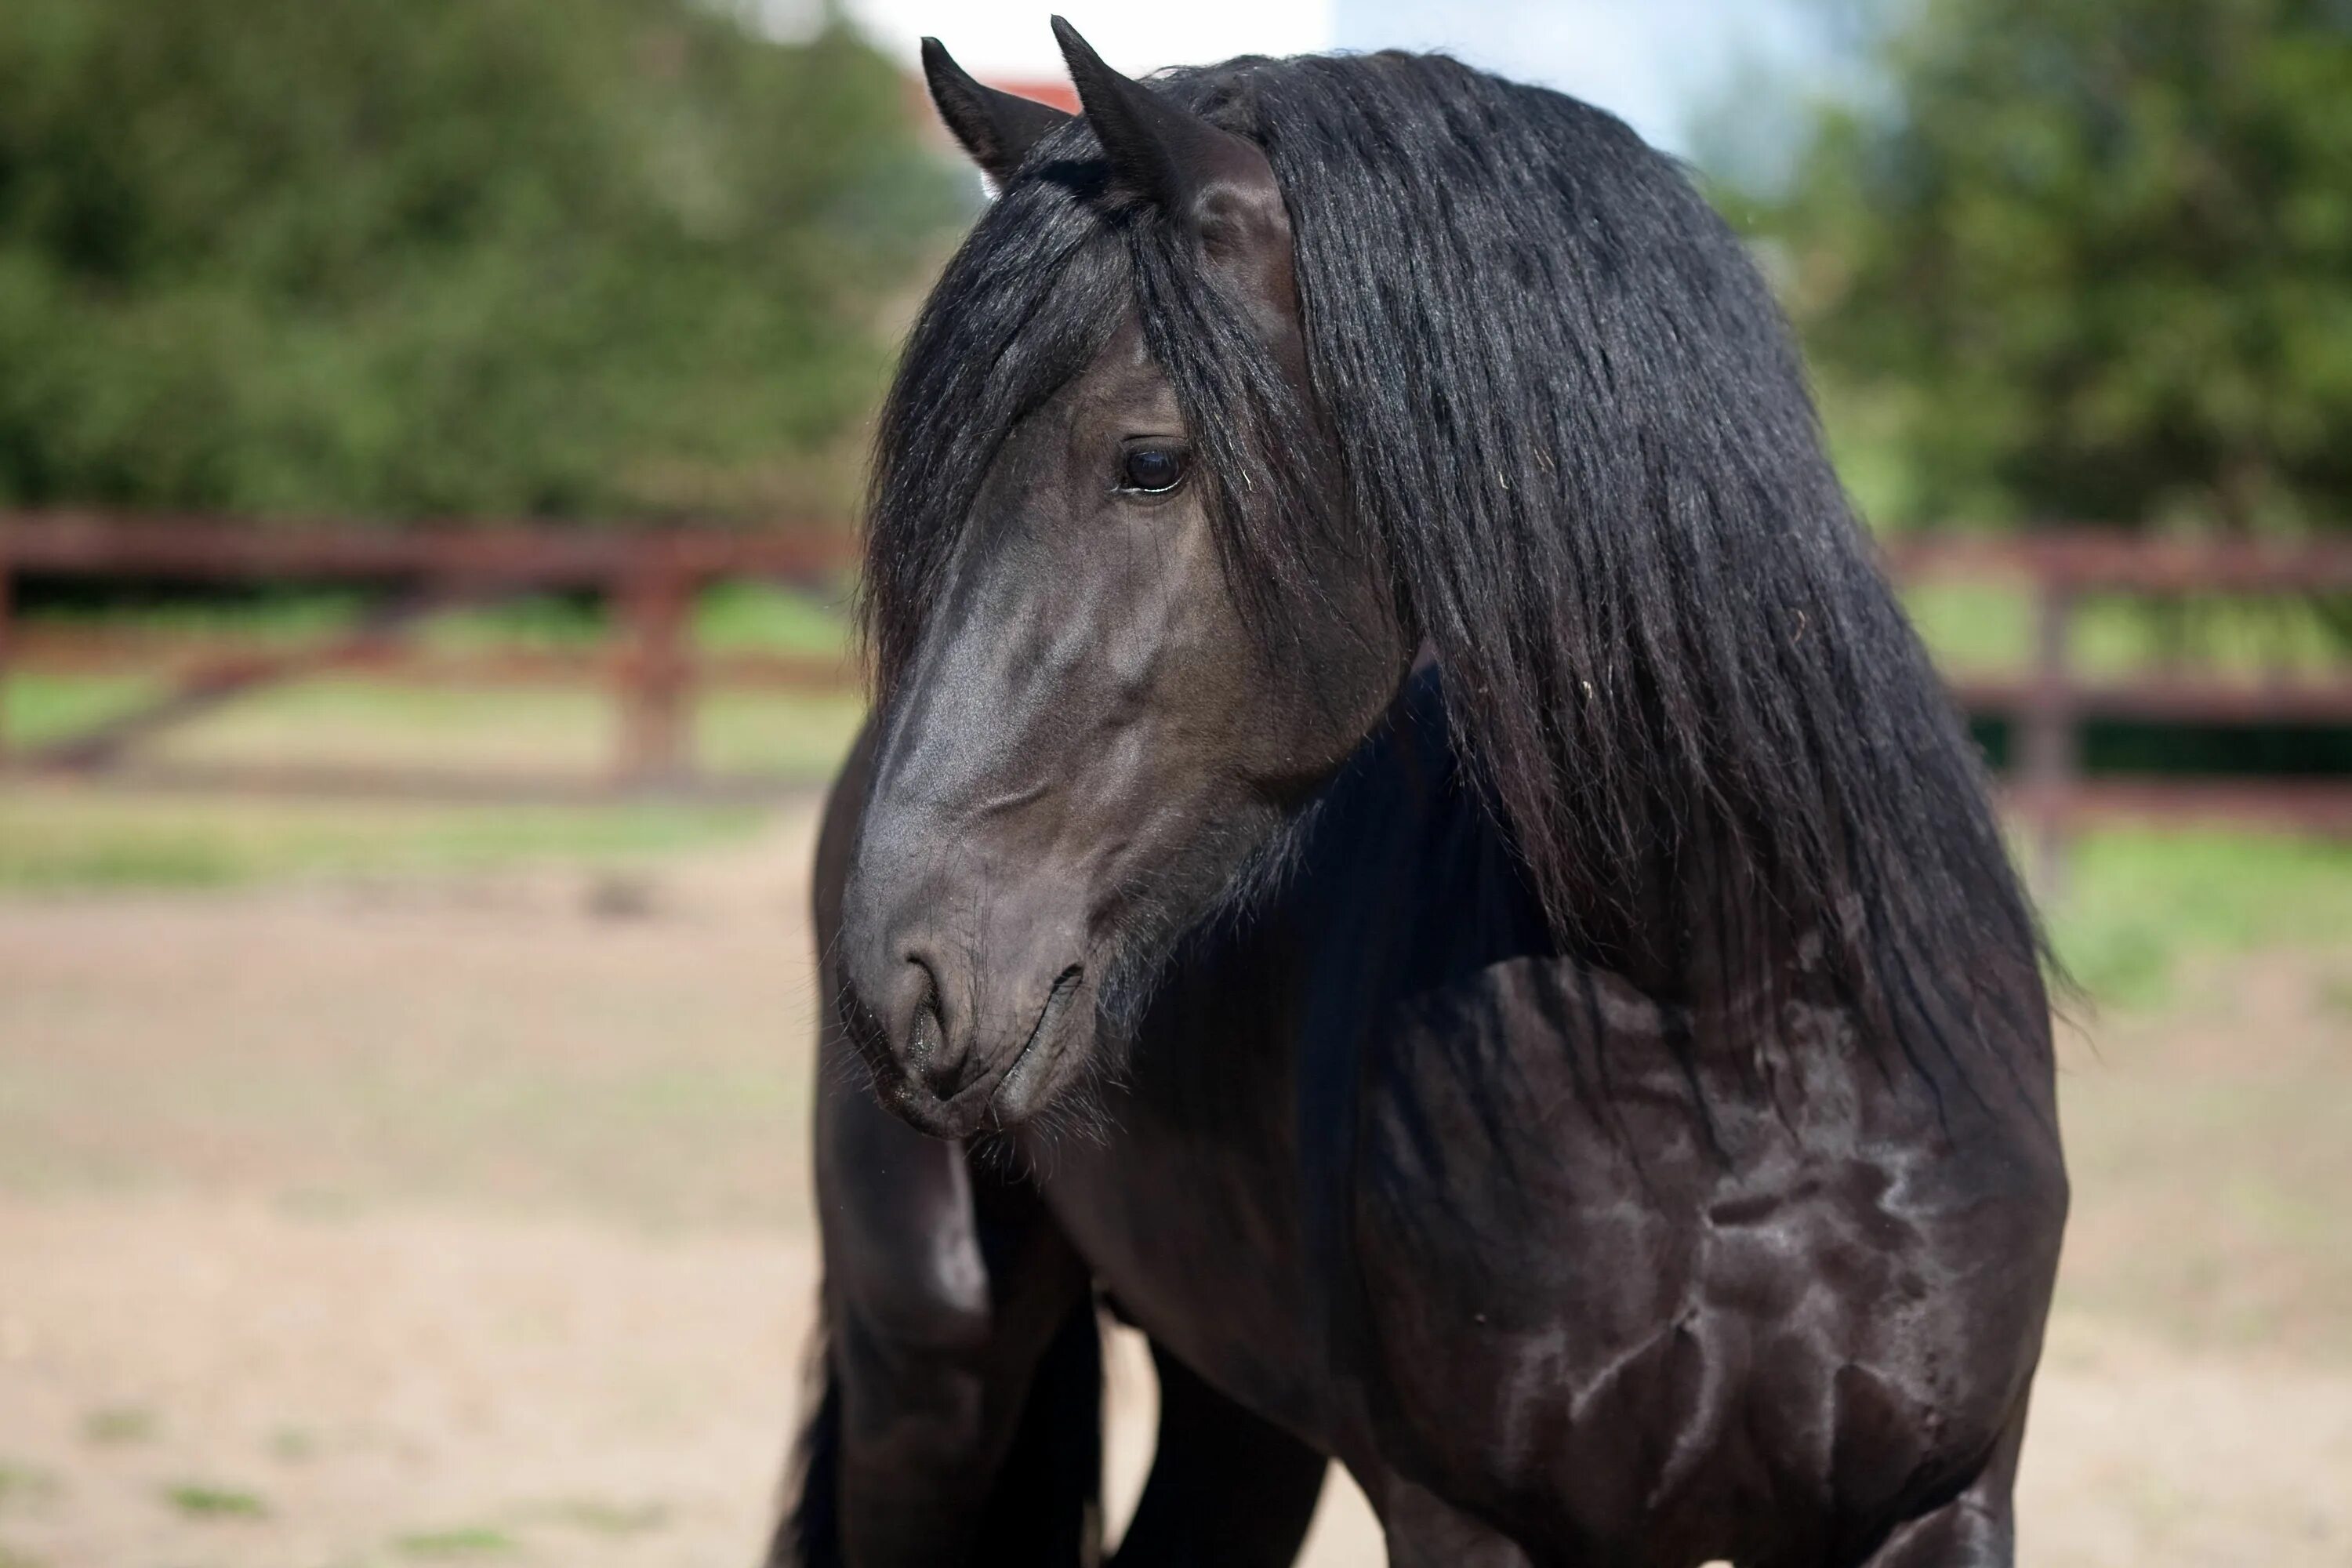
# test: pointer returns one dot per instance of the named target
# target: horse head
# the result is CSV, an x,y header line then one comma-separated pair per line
x,y
1083,740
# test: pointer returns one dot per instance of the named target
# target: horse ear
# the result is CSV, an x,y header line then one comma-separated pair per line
x,y
1173,159
996,128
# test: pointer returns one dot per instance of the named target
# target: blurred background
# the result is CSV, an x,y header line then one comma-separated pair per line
x,y
430,435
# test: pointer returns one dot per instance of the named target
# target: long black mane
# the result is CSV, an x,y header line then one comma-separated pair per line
x,y
1572,432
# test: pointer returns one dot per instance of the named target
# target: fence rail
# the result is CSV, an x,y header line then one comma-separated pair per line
x,y
648,580
654,672
2049,704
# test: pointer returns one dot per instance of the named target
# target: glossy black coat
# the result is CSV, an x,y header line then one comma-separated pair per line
x,y
1560,1278
1643,1155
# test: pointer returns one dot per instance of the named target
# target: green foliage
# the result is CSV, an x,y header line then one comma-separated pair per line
x,y
2136,903
2086,261
407,258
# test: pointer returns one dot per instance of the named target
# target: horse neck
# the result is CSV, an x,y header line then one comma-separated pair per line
x,y
1697,933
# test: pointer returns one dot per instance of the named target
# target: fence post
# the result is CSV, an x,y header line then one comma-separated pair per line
x,y
654,599
2049,760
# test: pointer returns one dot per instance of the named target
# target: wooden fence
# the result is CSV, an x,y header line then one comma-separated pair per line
x,y
649,580
654,671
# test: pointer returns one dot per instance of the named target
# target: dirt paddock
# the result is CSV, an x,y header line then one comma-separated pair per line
x,y
466,1221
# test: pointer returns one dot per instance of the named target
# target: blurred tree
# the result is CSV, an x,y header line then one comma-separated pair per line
x,y
443,256
2084,260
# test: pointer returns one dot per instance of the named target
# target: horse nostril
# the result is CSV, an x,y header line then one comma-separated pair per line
x,y
929,1036
942,1053
928,1051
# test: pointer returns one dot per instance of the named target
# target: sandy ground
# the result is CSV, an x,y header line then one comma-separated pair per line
x,y
466,1222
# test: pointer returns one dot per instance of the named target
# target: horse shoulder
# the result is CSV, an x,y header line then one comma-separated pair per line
x,y
1620,1267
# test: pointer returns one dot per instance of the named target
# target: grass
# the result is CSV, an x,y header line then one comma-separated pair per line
x,y
351,721
343,721
1982,628
293,1445
801,737
472,1540
56,838
39,708
2136,903
731,615
119,1425
20,1487
749,615
202,1502
1976,626
292,616
53,840
599,1518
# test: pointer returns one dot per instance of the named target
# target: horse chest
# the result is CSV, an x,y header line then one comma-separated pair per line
x,y
1200,1244
1519,1239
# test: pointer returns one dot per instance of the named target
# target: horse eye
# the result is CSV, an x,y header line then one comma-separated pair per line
x,y
1151,469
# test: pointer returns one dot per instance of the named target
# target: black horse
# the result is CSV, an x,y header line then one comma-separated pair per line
x,y
1405,847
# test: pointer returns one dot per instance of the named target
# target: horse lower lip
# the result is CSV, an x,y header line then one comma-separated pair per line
x,y
1008,1096
935,1118
996,1097
1049,1016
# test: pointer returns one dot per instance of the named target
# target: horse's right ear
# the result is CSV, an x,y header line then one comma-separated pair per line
x,y
996,128
1168,156
1219,185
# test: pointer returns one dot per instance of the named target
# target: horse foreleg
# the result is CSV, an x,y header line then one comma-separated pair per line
x,y
1978,1528
959,1420
1226,1486
1425,1532
971,1459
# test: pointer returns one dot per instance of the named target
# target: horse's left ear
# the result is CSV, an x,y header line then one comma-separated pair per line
x,y
996,128
1219,183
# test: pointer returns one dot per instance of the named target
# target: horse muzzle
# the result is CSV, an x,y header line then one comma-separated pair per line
x,y
958,1043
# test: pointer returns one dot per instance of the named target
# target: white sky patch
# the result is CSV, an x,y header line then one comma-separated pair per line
x,y
1009,40
1657,63
1653,63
